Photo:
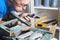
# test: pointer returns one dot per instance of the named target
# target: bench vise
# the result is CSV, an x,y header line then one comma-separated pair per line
x,y
35,34
11,31
22,20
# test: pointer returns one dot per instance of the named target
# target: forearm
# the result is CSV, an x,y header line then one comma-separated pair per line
x,y
1,21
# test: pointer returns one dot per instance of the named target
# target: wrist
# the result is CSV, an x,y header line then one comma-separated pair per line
x,y
1,21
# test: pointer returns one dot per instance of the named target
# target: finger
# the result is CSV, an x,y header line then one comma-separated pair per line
x,y
27,18
25,14
14,23
19,23
25,29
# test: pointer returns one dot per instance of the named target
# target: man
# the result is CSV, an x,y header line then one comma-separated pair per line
x,y
3,9
3,12
19,8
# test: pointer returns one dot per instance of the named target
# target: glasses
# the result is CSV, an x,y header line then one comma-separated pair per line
x,y
21,4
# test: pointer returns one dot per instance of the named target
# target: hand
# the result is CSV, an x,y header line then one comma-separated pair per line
x,y
26,28
25,14
1,21
19,23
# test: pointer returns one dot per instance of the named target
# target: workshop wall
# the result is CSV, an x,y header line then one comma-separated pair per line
x,y
51,14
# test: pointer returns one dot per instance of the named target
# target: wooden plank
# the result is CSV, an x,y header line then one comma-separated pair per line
x,y
58,16
53,29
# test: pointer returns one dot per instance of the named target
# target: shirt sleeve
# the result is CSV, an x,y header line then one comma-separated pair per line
x,y
1,15
2,8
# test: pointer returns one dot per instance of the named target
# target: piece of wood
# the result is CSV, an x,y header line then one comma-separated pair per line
x,y
58,16
53,29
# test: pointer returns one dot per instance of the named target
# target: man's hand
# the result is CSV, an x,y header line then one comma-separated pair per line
x,y
19,23
1,21
26,28
25,14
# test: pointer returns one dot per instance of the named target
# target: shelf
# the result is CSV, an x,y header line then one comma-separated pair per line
x,y
56,27
49,8
47,20
49,26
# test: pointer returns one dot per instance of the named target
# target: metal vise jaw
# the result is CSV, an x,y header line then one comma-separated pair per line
x,y
38,34
21,19
12,30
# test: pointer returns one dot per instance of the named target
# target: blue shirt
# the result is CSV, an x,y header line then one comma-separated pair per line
x,y
3,8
